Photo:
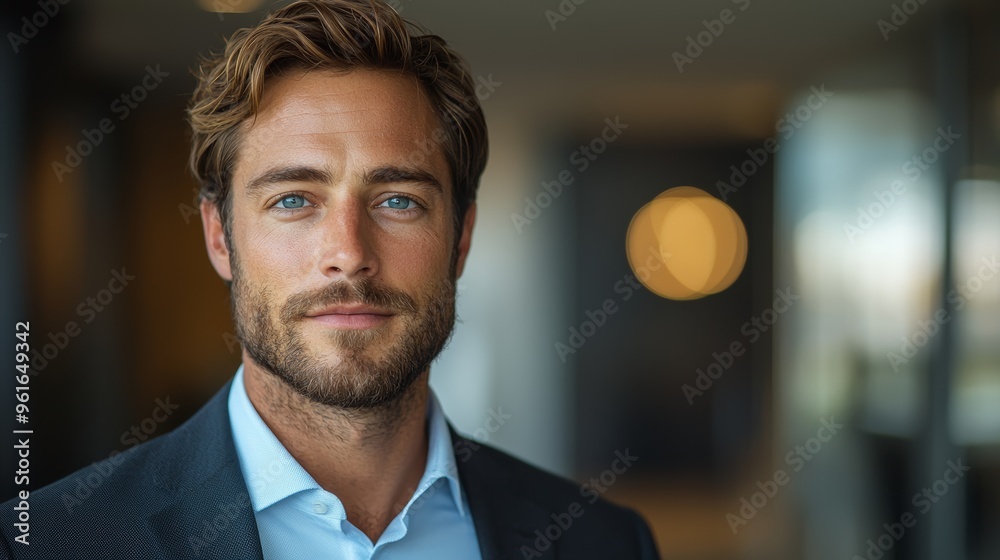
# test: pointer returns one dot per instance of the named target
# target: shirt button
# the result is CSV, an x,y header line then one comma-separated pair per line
x,y
320,508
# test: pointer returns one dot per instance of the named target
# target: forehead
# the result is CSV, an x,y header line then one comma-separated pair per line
x,y
342,120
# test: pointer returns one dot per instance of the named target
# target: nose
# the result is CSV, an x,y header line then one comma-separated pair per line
x,y
347,250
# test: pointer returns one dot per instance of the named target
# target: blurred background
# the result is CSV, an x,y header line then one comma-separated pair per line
x,y
857,140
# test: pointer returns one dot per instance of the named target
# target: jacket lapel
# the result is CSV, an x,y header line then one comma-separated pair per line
x,y
210,515
505,516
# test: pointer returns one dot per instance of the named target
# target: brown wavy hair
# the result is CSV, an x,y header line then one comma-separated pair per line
x,y
339,35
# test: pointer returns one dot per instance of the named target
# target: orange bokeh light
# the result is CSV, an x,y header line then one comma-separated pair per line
x,y
686,244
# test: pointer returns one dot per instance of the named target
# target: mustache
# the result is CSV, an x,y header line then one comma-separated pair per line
x,y
362,292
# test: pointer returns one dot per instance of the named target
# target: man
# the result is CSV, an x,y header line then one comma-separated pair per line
x,y
339,157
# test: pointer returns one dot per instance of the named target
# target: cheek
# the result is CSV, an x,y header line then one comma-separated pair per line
x,y
418,256
272,255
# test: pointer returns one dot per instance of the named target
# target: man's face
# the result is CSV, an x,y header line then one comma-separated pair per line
x,y
342,259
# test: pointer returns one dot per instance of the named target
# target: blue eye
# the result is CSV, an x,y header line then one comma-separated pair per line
x,y
400,203
292,201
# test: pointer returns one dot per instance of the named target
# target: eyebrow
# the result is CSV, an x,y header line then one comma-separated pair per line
x,y
382,175
393,174
292,174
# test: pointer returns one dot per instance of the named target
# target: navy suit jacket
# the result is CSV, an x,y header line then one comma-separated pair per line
x,y
182,495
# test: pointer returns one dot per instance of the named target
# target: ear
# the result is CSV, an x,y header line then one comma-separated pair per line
x,y
215,240
466,240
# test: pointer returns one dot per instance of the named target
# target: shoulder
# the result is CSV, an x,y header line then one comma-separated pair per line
x,y
556,493
111,501
576,516
111,495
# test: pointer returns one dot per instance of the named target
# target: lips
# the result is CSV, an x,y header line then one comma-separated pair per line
x,y
350,310
351,316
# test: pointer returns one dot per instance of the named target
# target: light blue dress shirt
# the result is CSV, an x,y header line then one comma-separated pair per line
x,y
297,519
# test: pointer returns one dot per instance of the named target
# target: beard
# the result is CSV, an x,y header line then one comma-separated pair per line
x,y
272,336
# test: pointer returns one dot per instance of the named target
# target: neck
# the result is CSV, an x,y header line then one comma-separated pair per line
x,y
372,460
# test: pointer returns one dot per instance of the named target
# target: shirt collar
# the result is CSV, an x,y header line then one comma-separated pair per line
x,y
272,474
